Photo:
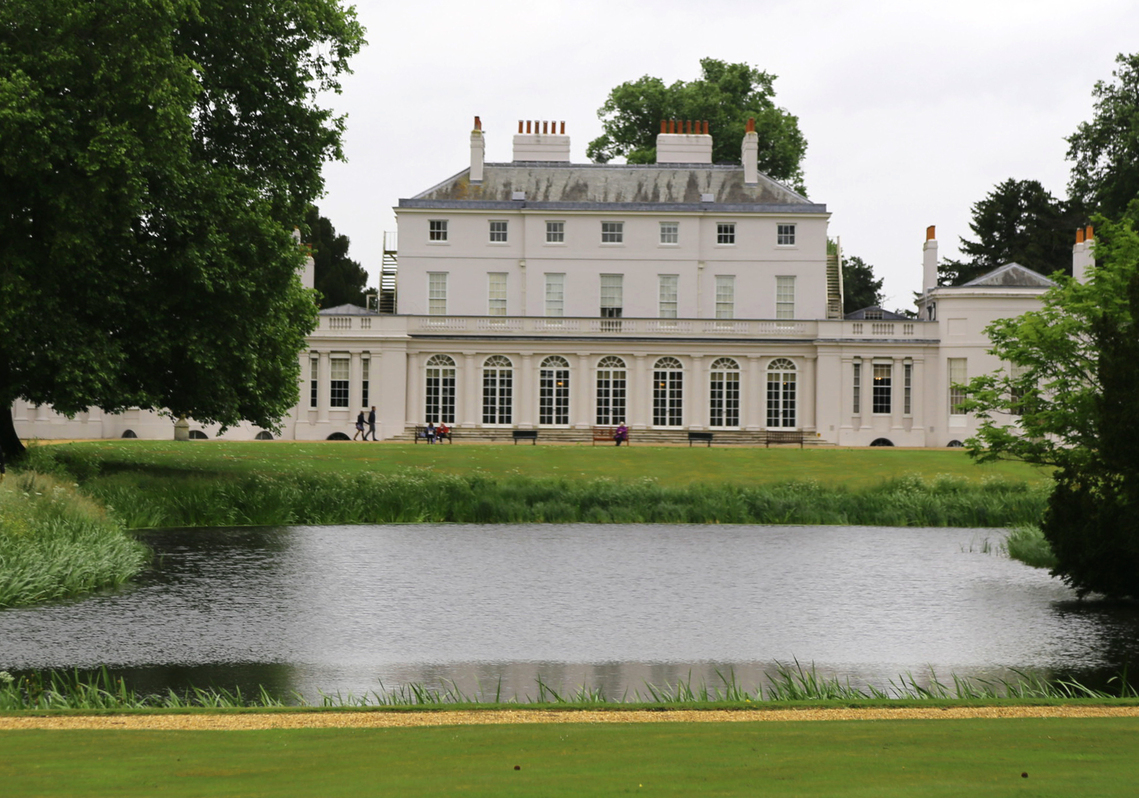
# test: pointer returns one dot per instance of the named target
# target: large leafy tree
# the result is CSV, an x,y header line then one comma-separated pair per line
x,y
860,289
1069,399
1105,151
339,279
154,157
725,95
1018,221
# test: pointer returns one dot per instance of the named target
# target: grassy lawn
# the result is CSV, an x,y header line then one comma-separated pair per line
x,y
668,465
975,758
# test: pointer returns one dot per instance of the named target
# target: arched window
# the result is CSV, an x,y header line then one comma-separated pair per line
x,y
554,391
611,376
497,390
668,393
724,395
264,436
439,404
781,381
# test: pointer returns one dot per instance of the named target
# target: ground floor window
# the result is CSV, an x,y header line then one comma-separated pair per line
x,y
781,393
724,395
668,393
554,391
338,386
439,404
497,390
611,391
883,388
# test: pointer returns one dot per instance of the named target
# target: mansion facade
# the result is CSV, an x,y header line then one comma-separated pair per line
x,y
672,297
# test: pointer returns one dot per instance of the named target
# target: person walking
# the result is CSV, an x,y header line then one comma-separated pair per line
x,y
371,425
360,427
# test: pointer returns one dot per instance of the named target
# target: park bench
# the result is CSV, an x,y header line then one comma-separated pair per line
x,y
784,436
525,435
700,437
421,432
607,434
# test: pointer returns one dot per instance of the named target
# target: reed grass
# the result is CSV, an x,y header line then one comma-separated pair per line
x,y
1027,544
791,683
56,543
159,500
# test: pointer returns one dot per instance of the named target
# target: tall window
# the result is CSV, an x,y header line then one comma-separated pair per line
x,y
365,364
497,390
726,233
338,386
785,235
724,396
908,388
611,377
857,383
555,232
437,230
313,381
781,384
437,293
883,387
554,391
957,379
1017,391
725,296
668,393
612,232
784,297
498,232
439,404
555,295
612,301
669,284
670,232
496,293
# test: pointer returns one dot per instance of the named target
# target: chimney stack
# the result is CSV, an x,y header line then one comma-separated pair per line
x,y
750,154
929,260
678,146
1083,254
543,144
478,151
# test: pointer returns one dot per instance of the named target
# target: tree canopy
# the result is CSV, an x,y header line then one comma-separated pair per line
x,y
339,279
1105,151
1018,221
1068,398
155,156
725,95
859,287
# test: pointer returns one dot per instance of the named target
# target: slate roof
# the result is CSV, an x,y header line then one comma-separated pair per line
x,y
1011,275
346,310
876,314
631,186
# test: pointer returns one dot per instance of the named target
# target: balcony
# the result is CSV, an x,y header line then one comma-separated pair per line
x,y
606,327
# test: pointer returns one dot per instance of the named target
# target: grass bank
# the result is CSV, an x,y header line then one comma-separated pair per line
x,y
56,543
1046,757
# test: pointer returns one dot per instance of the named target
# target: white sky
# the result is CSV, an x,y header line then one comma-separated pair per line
x,y
912,111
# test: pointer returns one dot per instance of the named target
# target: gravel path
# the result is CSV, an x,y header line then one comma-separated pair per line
x,y
389,719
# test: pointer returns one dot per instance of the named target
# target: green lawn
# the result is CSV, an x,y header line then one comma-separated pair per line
x,y
876,759
669,465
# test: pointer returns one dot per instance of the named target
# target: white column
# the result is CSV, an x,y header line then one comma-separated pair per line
x,y
582,406
414,389
323,386
527,400
751,405
355,381
640,396
470,415
696,407
897,420
806,399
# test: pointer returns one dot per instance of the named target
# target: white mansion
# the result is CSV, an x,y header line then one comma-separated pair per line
x,y
674,297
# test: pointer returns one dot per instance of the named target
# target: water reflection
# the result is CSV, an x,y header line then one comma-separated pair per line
x,y
490,608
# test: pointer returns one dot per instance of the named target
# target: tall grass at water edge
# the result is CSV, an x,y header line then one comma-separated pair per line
x,y
147,500
73,690
55,542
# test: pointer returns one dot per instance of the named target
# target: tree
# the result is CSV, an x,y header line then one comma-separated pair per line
x,y
339,279
1068,399
1105,151
1018,221
155,156
725,95
859,288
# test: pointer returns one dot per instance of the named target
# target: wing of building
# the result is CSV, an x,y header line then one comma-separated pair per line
x,y
675,297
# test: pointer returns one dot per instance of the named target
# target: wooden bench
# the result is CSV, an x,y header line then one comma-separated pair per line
x,y
525,435
421,432
607,434
784,436
700,437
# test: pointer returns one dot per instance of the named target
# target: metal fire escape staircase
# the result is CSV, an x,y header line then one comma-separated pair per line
x,y
388,268
834,282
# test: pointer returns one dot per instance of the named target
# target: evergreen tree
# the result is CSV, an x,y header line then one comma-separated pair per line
x,y
339,279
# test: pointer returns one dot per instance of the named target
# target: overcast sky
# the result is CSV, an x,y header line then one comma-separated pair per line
x,y
912,111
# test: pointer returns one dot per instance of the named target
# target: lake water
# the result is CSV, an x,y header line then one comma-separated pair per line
x,y
486,608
